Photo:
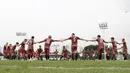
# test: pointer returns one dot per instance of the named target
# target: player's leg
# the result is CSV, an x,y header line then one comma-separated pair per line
x,y
67,56
76,53
100,54
38,56
48,52
72,53
61,57
48,57
45,53
9,55
13,56
24,55
125,57
29,55
114,56
107,57
76,56
19,55
41,57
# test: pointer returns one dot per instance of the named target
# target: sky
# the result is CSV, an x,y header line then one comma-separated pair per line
x,y
60,18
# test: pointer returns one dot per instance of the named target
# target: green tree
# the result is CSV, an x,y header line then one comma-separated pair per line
x,y
93,47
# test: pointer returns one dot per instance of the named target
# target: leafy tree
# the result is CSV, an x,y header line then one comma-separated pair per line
x,y
91,47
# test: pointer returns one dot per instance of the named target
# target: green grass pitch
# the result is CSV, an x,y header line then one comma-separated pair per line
x,y
64,66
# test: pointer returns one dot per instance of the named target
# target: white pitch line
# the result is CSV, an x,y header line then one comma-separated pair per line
x,y
71,68
84,68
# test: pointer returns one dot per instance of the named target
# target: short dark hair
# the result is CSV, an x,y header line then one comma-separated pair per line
x,y
40,46
17,42
32,37
123,39
73,33
112,38
99,36
63,46
49,36
25,39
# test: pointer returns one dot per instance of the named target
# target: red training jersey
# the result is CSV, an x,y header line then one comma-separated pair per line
x,y
108,51
30,44
48,42
74,41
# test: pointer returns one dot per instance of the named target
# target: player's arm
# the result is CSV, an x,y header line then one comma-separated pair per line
x,y
120,43
105,41
66,39
108,42
34,42
56,40
117,42
20,44
83,39
92,40
122,47
41,41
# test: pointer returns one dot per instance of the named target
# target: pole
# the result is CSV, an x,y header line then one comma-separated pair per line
x,y
104,44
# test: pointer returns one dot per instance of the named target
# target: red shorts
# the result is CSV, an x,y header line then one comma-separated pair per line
x,y
73,49
12,53
100,50
114,52
30,52
125,52
8,53
38,54
21,52
47,51
5,53
65,55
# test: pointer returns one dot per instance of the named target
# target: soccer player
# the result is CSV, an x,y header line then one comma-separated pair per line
x,y
39,52
108,53
92,55
12,51
48,41
30,47
56,54
34,55
21,51
114,45
100,46
9,47
74,40
5,50
65,53
124,49
83,55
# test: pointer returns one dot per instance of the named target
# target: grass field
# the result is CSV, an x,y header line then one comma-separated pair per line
x,y
64,66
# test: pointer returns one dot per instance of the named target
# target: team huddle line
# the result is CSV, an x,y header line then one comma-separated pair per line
x,y
9,50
